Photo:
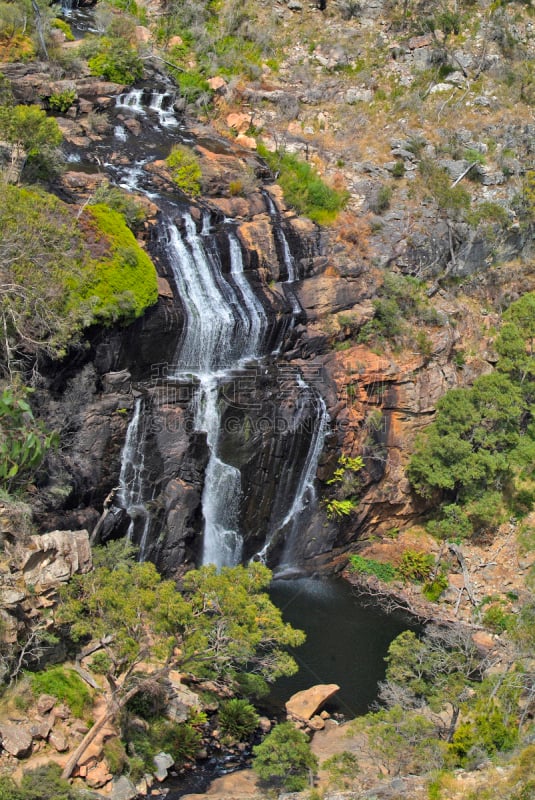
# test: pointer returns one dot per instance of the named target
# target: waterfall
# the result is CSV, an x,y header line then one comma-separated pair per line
x,y
226,332
225,327
132,484
304,493
288,260
141,100
222,489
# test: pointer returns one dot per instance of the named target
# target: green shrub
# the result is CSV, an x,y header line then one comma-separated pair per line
x,y
237,718
117,199
63,26
181,740
61,101
398,170
124,281
432,589
415,566
115,755
23,440
284,758
66,685
342,768
45,783
368,566
193,85
496,618
340,508
116,61
185,170
303,188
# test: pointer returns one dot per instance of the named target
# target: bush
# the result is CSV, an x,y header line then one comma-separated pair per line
x,y
117,199
115,755
43,783
116,61
66,685
284,758
185,170
415,566
303,188
432,590
23,441
340,508
368,566
60,102
237,718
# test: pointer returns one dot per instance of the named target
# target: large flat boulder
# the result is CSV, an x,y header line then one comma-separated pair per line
x,y
304,705
16,740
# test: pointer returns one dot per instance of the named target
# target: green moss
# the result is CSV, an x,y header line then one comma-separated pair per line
x,y
124,281
66,685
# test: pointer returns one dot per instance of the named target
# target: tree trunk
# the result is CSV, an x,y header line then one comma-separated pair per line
x,y
86,741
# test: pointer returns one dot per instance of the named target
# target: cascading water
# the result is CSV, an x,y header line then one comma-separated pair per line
x,y
226,330
132,483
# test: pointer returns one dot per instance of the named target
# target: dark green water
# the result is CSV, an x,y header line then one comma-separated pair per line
x,y
346,642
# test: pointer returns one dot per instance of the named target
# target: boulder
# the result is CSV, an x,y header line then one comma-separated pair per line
x,y
54,557
304,705
45,703
123,789
58,741
16,740
98,775
162,762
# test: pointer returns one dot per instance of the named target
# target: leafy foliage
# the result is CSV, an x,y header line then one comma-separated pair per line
x,y
477,455
303,188
30,134
284,758
61,273
237,718
116,60
23,441
185,170
42,783
368,566
415,566
339,508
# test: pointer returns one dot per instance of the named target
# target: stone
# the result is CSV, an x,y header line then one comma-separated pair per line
x,y
123,789
54,557
58,741
62,711
264,724
143,35
162,762
483,641
356,95
303,705
316,723
41,729
217,84
239,122
246,141
45,703
295,5
16,740
98,775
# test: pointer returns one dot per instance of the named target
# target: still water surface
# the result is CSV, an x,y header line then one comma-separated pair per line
x,y
346,642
